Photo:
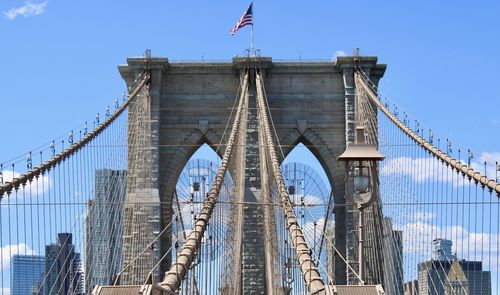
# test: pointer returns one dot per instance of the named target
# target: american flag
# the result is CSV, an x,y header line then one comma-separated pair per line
x,y
245,19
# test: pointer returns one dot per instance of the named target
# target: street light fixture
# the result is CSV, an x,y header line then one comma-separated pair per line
x,y
364,157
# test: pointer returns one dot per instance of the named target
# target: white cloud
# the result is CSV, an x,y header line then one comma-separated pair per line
x,y
313,233
37,186
339,53
9,250
476,246
490,158
309,200
420,169
5,291
425,169
29,9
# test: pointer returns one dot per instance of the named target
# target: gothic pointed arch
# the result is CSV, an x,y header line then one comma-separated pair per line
x,y
322,151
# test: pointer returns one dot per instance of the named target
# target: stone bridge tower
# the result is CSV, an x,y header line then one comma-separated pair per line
x,y
311,103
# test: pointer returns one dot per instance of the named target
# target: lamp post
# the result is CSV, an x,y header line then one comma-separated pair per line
x,y
363,157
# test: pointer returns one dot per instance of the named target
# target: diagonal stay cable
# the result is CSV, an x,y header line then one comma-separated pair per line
x,y
219,145
179,269
455,164
312,277
7,187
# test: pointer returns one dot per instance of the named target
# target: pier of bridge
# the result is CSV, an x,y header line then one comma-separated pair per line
x,y
310,103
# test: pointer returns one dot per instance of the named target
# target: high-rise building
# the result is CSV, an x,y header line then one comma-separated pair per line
x,y
104,228
62,267
442,250
411,288
330,251
443,277
26,274
456,280
393,258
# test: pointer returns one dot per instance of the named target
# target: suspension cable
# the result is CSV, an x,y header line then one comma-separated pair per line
x,y
178,270
312,277
23,179
456,164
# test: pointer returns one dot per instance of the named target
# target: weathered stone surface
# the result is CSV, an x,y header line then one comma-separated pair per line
x,y
311,103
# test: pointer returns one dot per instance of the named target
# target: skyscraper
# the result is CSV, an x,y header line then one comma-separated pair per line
x,y
26,274
451,275
456,281
330,251
411,288
393,258
62,267
104,228
442,250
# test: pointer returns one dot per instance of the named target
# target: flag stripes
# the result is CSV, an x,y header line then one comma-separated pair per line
x,y
246,19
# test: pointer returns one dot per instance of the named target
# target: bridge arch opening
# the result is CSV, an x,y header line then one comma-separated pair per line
x,y
304,152
215,253
310,190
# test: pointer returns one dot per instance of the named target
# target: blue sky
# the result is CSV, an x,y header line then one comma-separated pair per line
x,y
58,59
59,67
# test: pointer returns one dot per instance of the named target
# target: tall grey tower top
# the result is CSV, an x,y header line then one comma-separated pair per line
x,y
442,250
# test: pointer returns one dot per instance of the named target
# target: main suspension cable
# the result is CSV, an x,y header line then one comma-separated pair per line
x,y
312,277
178,270
23,179
363,82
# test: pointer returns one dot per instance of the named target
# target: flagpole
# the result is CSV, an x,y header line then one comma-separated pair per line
x,y
251,41
251,31
246,19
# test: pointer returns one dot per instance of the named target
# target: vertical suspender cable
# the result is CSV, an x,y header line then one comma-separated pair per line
x,y
448,159
178,270
312,278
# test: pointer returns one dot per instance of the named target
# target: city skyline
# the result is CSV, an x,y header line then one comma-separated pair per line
x,y
446,274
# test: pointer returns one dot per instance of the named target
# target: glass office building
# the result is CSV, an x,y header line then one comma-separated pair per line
x,y
62,268
104,228
26,274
